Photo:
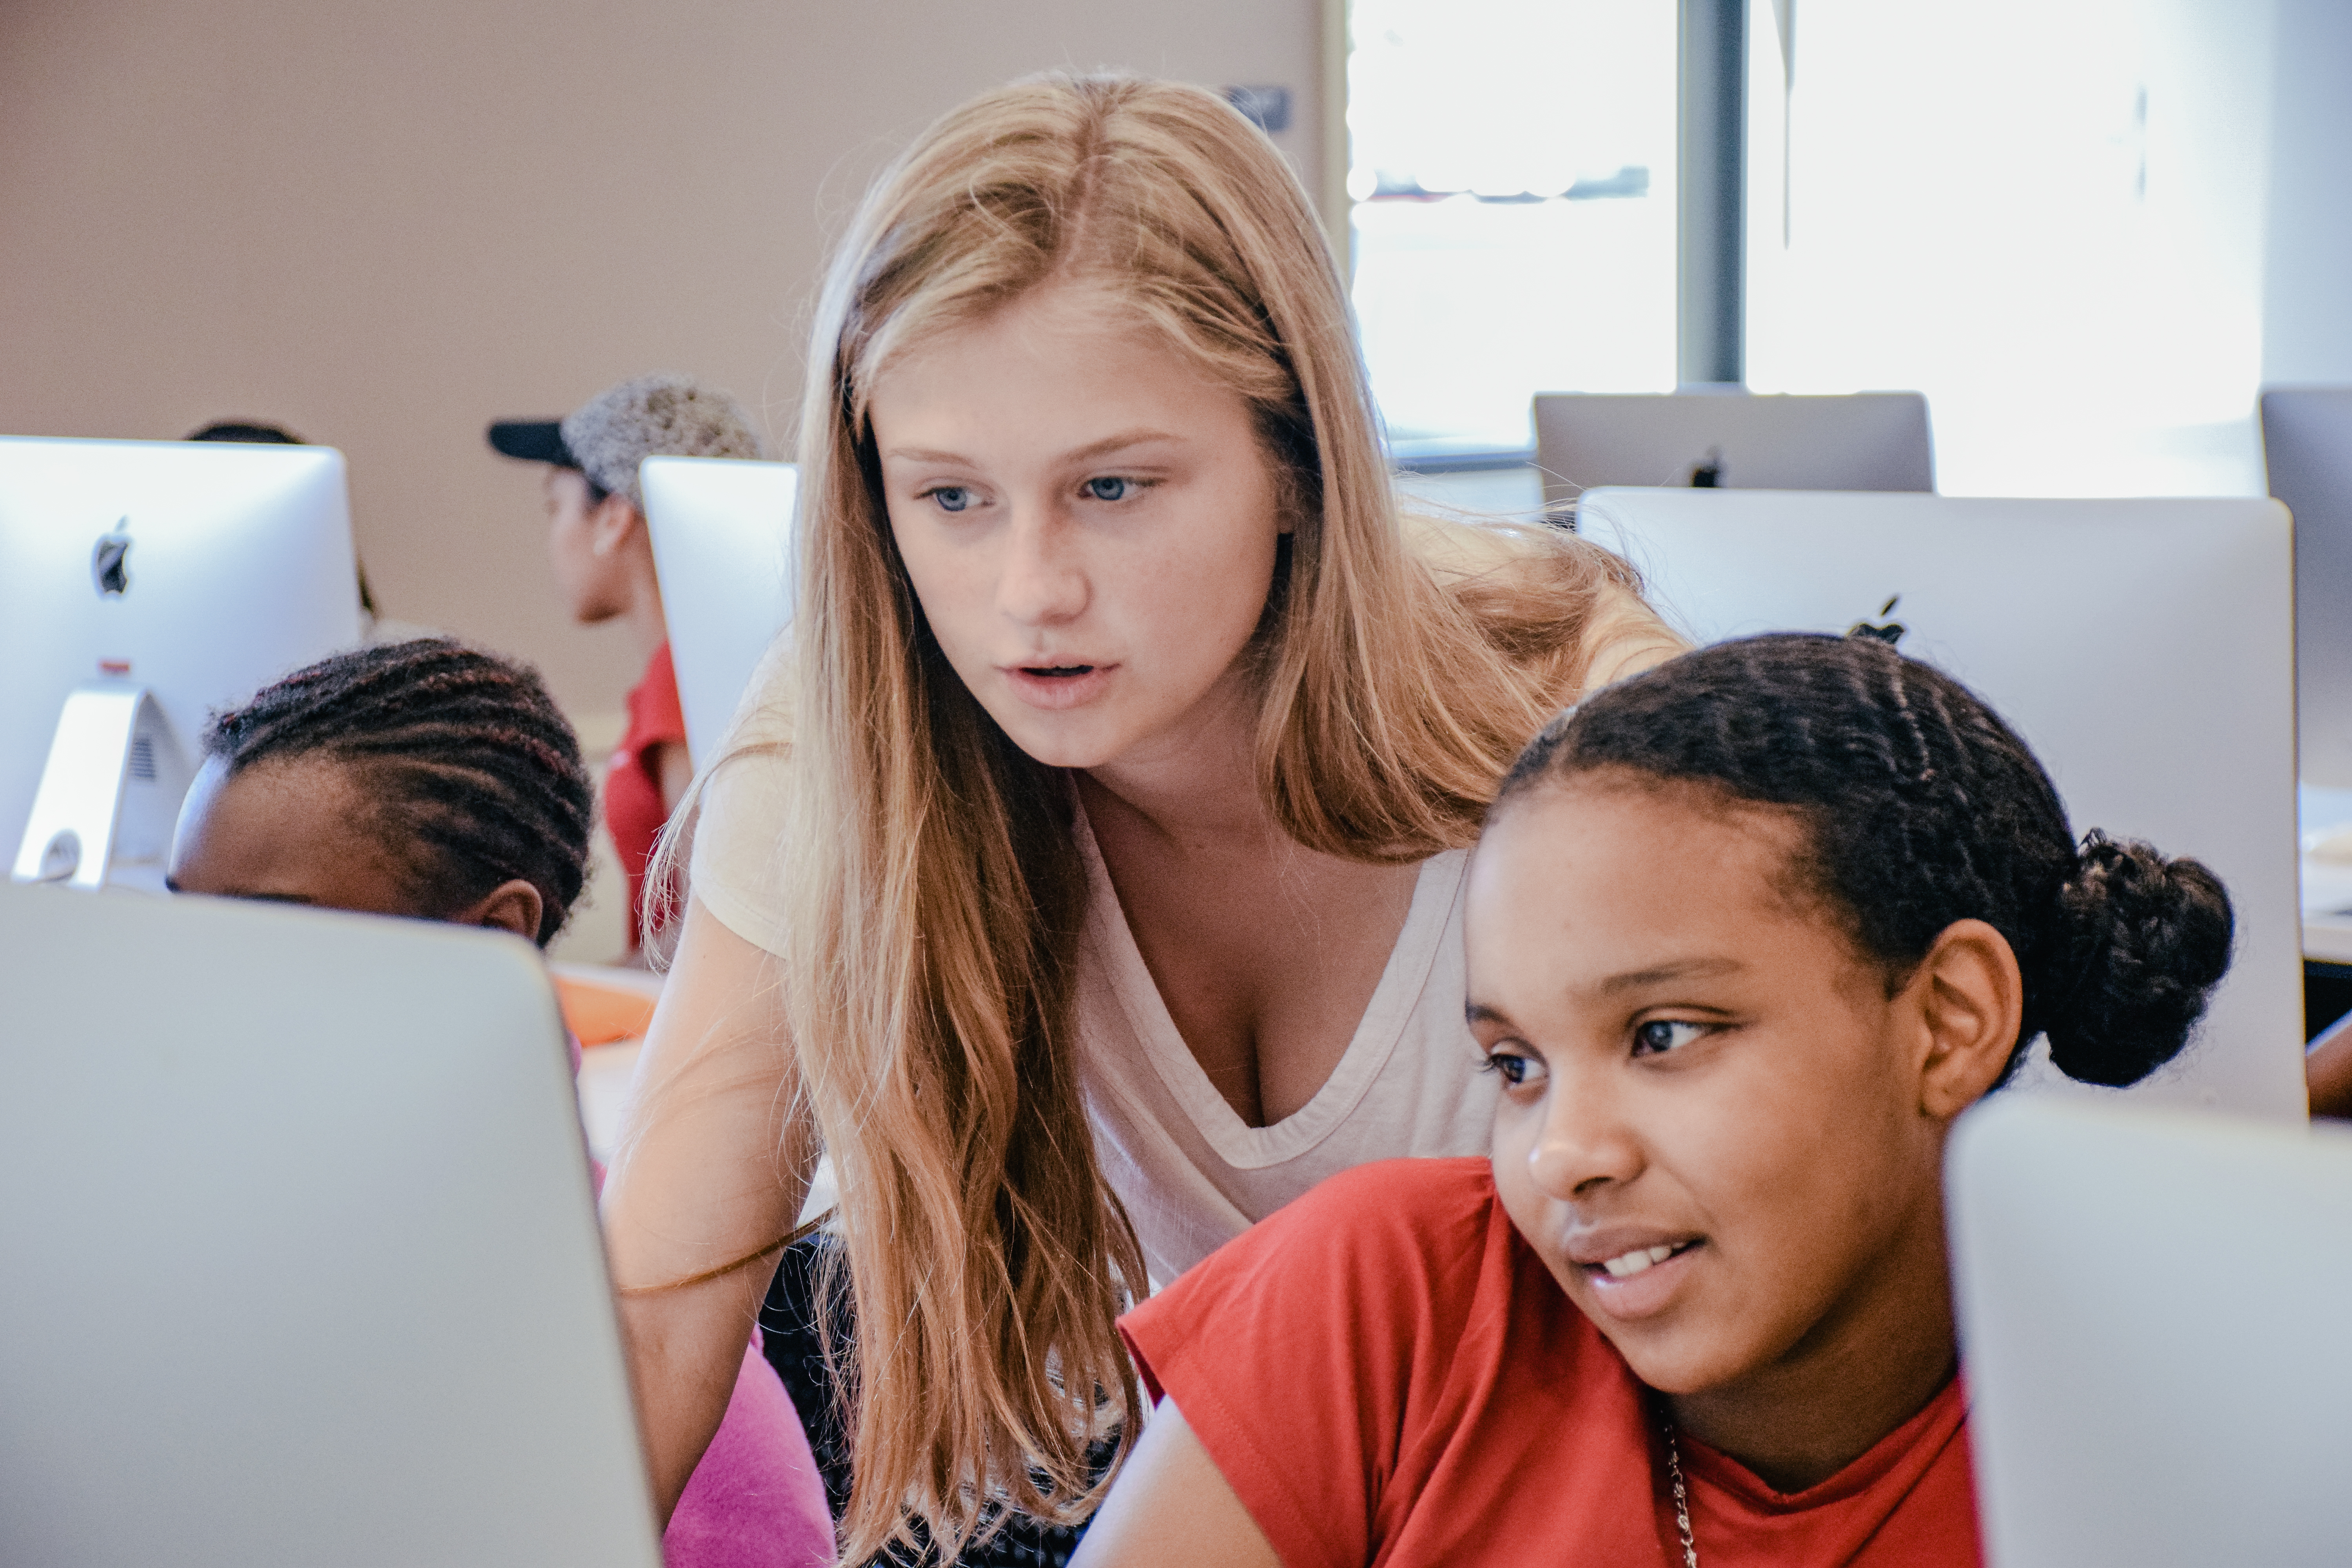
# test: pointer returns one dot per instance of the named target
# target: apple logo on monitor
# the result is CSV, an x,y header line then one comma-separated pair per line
x,y
1885,631
109,565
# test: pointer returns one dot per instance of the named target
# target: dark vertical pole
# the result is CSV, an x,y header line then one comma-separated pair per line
x,y
1711,325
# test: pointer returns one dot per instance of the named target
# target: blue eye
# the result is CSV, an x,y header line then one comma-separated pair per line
x,y
1110,487
1659,1035
951,498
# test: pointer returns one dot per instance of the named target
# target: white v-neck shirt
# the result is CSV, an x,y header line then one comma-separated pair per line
x,y
1192,1172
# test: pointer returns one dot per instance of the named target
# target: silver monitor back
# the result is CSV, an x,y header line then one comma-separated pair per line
x,y
2151,1311
722,531
1870,441
2144,648
199,571
302,1265
2307,447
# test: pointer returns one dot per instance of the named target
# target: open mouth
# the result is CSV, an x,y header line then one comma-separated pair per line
x,y
1056,688
1641,1260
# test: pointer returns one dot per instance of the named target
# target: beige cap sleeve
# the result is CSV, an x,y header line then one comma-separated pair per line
x,y
740,802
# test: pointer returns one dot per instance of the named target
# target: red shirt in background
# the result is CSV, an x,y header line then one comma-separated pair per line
x,y
1386,1373
633,812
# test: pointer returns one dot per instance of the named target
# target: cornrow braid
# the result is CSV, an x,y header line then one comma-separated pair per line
x,y
476,773
1922,808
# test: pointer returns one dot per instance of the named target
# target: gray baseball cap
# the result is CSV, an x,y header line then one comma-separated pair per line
x,y
657,415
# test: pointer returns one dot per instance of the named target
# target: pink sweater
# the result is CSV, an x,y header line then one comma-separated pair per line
x,y
756,1500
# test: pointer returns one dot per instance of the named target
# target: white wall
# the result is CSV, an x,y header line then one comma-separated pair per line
x,y
385,225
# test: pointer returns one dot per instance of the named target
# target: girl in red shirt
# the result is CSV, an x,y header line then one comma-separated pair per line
x,y
1745,933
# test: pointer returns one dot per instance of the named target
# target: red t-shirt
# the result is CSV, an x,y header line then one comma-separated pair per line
x,y
1386,1373
632,796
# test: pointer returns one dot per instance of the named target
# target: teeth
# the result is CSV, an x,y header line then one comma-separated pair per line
x,y
1625,1265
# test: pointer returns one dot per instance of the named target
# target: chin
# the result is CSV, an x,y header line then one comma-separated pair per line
x,y
1061,752
1672,1375
1078,745
1691,1359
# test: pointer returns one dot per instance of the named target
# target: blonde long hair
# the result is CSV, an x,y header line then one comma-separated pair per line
x,y
934,887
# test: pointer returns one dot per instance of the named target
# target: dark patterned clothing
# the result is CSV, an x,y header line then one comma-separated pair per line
x,y
788,1331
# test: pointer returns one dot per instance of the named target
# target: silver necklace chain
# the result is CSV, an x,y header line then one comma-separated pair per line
x,y
1682,1496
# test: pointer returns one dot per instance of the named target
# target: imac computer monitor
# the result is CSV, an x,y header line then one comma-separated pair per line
x,y
2145,650
2307,447
722,531
302,1261
142,585
2151,1314
1733,440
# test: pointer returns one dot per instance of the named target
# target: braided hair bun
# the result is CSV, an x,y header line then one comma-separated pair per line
x,y
2137,941
1922,808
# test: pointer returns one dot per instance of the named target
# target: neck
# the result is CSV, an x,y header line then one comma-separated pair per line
x,y
1196,783
1855,1377
648,626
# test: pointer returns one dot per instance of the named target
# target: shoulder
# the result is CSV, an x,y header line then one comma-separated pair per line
x,y
1398,1240
763,720
1431,1210
1318,1353
740,804
1393,1203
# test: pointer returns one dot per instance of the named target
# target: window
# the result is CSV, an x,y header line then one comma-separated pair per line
x,y
1511,165
2046,215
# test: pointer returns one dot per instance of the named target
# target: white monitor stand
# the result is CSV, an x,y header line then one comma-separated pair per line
x,y
110,792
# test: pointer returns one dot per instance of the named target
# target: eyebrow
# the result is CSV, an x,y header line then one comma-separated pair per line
x,y
1093,449
1633,980
1687,969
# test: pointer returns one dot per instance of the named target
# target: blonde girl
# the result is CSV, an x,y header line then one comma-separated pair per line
x,y
1086,878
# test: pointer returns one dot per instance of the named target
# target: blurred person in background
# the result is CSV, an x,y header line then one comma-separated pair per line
x,y
602,555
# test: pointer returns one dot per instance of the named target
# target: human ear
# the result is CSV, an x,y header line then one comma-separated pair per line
x,y
612,521
512,906
1972,1001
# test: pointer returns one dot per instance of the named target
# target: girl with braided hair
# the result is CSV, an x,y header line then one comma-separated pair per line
x,y
1745,935
427,780
416,778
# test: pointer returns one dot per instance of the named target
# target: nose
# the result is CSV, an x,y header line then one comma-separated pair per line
x,y
1040,579
1586,1142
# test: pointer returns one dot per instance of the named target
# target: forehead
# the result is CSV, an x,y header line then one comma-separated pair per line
x,y
1603,875
297,828
1074,349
